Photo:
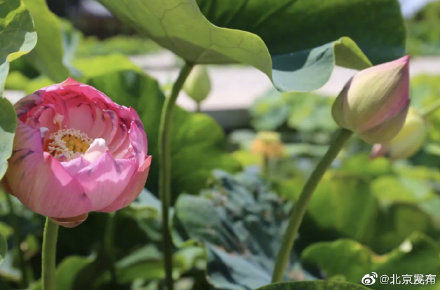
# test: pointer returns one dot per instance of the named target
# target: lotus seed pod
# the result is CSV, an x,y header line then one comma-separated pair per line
x,y
374,103
409,140
198,84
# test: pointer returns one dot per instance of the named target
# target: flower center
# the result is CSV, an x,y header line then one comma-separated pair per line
x,y
68,143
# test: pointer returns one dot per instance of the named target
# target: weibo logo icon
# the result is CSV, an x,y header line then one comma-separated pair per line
x,y
369,279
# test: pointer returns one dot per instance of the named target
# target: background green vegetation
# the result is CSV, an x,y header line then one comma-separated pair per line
x,y
424,31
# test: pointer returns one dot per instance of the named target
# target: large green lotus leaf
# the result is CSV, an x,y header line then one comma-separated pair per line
x,y
98,65
418,254
314,285
87,67
310,69
48,54
8,123
301,34
236,219
347,203
179,25
288,26
197,142
424,93
389,189
340,206
397,222
17,34
67,272
305,112
136,247
361,165
123,44
147,263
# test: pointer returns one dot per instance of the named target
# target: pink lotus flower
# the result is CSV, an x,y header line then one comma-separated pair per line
x,y
76,151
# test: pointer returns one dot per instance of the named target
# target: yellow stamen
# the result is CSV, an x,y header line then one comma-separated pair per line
x,y
68,143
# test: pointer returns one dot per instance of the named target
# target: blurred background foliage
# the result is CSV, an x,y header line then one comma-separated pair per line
x,y
424,31
366,215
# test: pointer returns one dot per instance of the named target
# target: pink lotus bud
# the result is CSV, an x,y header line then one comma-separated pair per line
x,y
76,151
374,103
409,140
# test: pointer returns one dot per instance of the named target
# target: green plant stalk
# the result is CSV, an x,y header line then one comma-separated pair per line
x,y
431,109
17,241
300,206
165,170
109,246
265,166
49,254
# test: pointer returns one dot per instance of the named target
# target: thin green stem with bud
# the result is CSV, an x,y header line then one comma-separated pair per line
x,y
300,206
48,255
165,170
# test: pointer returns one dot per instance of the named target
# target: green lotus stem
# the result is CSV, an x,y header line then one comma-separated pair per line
x,y
49,254
17,241
265,166
198,107
109,246
431,109
300,206
165,170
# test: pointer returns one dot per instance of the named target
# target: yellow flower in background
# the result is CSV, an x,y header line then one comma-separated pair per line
x,y
268,144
